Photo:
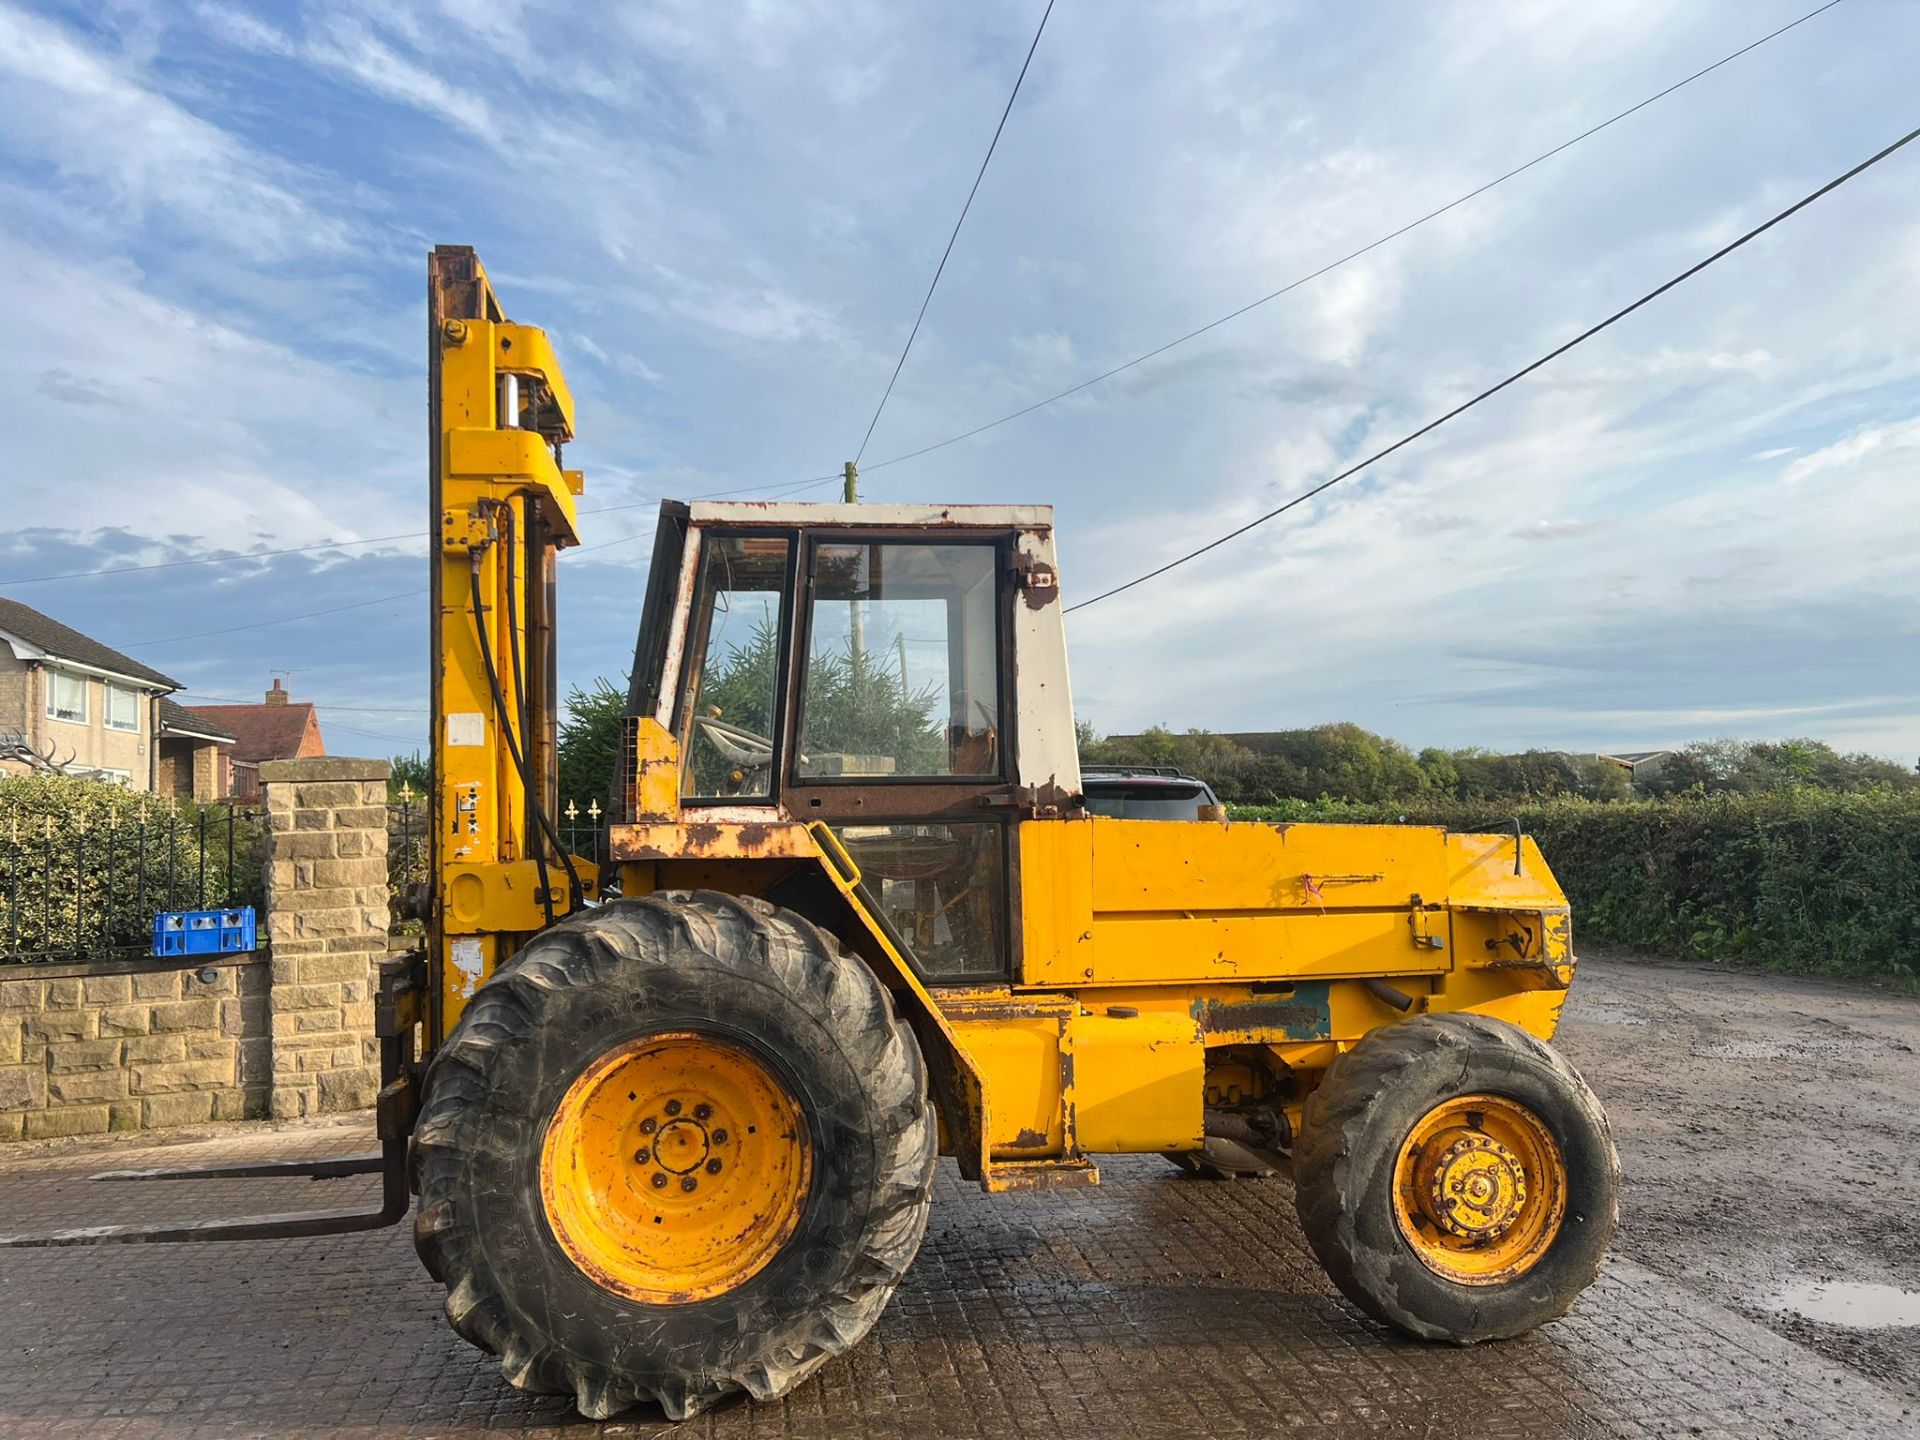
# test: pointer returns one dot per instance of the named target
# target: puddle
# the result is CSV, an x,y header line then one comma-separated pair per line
x,y
1851,1303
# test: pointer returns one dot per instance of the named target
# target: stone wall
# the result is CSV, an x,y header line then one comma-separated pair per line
x,y
83,1054
327,924
283,1032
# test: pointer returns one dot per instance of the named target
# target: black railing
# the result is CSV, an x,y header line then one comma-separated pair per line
x,y
581,830
80,887
408,819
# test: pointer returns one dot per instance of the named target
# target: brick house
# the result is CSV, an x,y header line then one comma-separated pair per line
x,y
196,755
71,704
278,728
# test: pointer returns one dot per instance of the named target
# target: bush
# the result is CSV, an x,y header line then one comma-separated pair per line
x,y
1800,878
84,865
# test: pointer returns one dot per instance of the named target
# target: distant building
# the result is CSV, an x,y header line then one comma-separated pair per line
x,y
196,755
278,728
72,706
1640,765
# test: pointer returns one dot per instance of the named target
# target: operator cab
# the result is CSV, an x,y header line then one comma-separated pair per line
x,y
898,671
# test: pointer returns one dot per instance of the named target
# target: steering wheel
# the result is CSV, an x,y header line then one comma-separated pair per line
x,y
739,745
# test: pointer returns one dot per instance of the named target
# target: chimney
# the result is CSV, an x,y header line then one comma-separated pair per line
x,y
276,696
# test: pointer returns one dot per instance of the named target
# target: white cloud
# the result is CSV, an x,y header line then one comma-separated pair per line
x,y
111,138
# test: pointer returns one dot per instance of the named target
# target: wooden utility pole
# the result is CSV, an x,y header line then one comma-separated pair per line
x,y
856,611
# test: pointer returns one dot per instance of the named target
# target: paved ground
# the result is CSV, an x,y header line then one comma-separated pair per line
x,y
1151,1306
1769,1134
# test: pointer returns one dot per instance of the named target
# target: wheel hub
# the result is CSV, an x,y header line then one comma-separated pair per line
x,y
682,1147
1480,1189
1478,1186
674,1168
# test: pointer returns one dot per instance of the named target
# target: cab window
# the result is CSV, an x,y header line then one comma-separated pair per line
x,y
903,671
728,712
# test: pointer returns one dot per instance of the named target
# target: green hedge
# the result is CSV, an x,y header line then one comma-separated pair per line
x,y
1801,879
85,864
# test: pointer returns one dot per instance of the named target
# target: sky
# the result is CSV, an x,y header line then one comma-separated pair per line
x,y
214,219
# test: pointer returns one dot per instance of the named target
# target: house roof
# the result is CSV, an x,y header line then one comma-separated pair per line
x,y
176,719
1632,757
63,642
263,732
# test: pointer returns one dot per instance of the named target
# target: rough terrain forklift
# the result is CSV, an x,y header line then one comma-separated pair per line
x,y
678,1133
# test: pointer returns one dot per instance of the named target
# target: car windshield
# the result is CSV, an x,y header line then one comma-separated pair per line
x,y
1146,802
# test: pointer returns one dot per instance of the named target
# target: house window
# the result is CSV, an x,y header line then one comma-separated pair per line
x,y
123,708
115,777
66,697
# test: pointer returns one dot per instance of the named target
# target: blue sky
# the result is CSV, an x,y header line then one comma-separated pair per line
x,y
214,217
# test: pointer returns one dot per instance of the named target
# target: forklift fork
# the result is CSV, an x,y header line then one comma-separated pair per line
x,y
399,1007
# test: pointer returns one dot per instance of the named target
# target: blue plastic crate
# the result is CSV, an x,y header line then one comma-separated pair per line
x,y
203,932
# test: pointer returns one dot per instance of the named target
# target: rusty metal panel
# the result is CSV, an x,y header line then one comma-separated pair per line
x,y
701,839
1481,871
1173,948
1139,1082
1154,866
1056,901
1018,1058
868,516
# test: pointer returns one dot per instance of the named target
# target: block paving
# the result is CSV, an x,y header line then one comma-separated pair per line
x,y
1155,1305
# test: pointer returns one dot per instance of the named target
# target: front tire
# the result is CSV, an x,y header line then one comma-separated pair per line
x,y
678,1148
1457,1178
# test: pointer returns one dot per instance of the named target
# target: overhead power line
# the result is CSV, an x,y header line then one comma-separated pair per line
x,y
263,624
941,268
1517,375
1333,265
395,710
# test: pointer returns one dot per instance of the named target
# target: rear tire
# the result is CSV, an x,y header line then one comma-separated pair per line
x,y
1370,1128
771,996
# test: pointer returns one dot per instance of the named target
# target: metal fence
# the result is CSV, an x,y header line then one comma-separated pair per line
x,y
581,830
408,820
73,889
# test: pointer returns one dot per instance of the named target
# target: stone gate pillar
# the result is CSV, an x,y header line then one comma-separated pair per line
x,y
326,883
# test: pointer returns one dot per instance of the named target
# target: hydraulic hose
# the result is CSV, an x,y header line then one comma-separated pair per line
x,y
513,745
524,759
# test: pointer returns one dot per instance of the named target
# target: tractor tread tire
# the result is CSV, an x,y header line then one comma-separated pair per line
x,y
1357,1120
740,967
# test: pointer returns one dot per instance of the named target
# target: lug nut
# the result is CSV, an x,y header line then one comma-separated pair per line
x,y
642,1155
648,1125
687,1182
702,1112
673,1107
719,1137
659,1179
713,1167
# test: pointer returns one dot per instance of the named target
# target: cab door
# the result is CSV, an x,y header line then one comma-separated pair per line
x,y
900,717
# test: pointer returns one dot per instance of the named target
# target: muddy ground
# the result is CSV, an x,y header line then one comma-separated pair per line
x,y
1769,1134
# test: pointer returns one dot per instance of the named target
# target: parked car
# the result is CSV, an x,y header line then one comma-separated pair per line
x,y
1147,792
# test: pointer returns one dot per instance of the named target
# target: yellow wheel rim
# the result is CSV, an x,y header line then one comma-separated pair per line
x,y
1480,1189
674,1168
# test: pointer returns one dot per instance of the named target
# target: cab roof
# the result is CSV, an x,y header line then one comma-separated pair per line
x,y
787,512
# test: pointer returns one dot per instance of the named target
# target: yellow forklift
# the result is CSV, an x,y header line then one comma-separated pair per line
x,y
678,1133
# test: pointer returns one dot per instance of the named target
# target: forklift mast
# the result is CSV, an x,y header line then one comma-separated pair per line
x,y
500,509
